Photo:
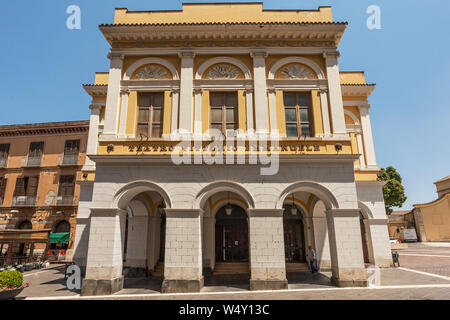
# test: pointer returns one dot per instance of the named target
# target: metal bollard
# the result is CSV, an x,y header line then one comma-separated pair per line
x,y
395,258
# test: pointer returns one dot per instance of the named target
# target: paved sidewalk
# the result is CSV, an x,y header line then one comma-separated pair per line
x,y
424,274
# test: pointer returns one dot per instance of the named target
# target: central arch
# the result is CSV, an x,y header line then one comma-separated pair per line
x,y
314,188
131,190
213,61
220,186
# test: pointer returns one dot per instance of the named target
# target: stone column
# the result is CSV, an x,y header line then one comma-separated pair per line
x,y
209,242
81,243
105,252
183,253
186,87
136,259
325,113
362,160
249,105
92,143
259,75
267,257
378,242
123,113
198,114
174,126
113,95
153,236
335,93
347,261
366,128
322,242
273,112
309,233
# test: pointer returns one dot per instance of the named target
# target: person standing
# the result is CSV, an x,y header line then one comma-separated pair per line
x,y
312,260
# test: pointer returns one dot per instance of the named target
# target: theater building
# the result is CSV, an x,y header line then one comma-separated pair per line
x,y
39,166
270,76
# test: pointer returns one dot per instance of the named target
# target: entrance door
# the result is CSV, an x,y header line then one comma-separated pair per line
x,y
294,243
231,235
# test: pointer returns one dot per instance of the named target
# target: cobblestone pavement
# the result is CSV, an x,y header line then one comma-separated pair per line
x,y
424,274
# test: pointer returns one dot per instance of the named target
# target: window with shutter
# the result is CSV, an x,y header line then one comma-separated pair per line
x,y
223,112
66,189
4,152
3,182
36,149
150,114
72,147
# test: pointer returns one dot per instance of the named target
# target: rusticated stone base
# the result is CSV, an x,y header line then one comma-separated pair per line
x,y
268,285
348,283
95,287
182,286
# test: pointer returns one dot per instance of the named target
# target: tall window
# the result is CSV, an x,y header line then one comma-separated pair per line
x,y
72,147
297,108
36,149
150,116
224,114
66,189
2,189
26,190
4,151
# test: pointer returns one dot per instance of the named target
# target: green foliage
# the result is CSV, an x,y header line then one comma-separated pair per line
x,y
393,191
10,279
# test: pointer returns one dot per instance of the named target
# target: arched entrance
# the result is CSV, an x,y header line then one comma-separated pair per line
x,y
294,234
231,234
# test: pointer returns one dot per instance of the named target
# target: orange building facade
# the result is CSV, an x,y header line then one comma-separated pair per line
x,y
39,167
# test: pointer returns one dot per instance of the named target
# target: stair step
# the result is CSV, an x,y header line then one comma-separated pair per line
x,y
225,268
296,267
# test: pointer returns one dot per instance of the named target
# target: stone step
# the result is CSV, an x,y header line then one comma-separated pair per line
x,y
223,268
297,267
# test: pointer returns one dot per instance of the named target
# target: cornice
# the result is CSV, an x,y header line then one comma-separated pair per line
x,y
243,34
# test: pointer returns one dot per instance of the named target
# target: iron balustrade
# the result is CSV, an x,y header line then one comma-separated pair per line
x,y
69,160
26,201
32,161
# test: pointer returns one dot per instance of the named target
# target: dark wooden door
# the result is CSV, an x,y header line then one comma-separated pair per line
x,y
232,236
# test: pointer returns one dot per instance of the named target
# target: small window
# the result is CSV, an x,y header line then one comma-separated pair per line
x,y
3,182
150,115
66,185
298,114
62,227
36,149
72,147
223,111
26,186
4,150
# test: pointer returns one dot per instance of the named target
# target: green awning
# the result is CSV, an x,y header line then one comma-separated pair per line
x,y
59,237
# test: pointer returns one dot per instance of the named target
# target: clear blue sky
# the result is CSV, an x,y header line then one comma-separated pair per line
x,y
44,64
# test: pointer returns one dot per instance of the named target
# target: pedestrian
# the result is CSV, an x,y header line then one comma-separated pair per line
x,y
312,260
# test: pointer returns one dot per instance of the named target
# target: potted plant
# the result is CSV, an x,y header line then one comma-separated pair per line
x,y
11,284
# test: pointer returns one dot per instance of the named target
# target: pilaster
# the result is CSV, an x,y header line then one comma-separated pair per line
x,y
260,87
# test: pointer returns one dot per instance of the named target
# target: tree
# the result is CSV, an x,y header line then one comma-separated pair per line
x,y
393,191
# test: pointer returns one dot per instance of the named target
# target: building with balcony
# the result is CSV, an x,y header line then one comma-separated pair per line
x,y
39,166
225,139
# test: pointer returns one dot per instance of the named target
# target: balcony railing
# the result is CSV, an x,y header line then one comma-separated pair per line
x,y
3,162
69,160
65,200
32,161
24,201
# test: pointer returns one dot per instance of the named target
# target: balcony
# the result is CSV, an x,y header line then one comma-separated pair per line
x,y
24,201
32,162
69,160
65,201
3,162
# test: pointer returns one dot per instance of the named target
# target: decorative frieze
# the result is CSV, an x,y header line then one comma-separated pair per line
x,y
297,71
222,71
150,72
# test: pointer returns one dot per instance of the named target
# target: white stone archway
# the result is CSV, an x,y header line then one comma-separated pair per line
x,y
280,63
219,186
205,65
131,69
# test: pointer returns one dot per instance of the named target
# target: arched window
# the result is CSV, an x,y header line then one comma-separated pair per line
x,y
25,225
62,227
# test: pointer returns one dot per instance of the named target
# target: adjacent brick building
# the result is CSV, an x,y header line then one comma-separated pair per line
x,y
39,166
